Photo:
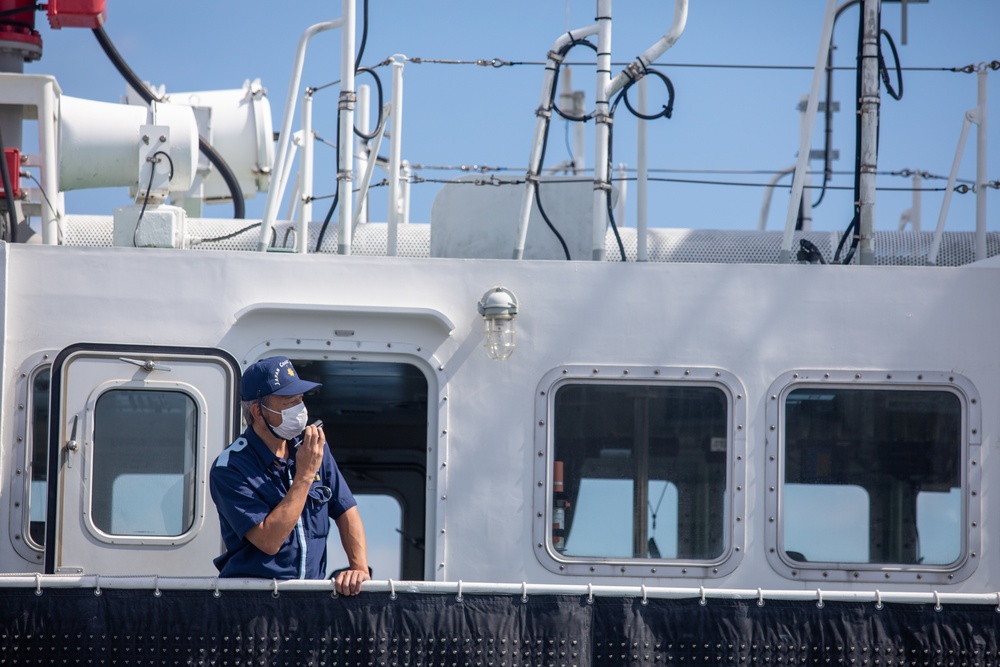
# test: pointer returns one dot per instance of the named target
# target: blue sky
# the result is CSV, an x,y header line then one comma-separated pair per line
x,y
724,119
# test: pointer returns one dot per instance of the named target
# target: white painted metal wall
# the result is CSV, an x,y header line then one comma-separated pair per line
x,y
756,322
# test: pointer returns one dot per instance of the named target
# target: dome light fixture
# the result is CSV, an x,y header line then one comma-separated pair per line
x,y
498,308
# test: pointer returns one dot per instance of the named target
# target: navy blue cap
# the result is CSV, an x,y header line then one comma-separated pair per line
x,y
274,375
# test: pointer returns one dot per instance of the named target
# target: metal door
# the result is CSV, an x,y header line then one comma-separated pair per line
x,y
134,430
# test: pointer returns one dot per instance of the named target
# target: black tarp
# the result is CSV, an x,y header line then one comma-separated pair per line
x,y
131,627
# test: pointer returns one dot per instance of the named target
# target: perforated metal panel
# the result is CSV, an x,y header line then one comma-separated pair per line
x,y
664,245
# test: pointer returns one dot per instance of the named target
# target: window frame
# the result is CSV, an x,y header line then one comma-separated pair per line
x,y
971,475
544,455
20,511
198,457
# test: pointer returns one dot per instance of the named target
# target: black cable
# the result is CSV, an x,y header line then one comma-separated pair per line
x,y
378,83
854,227
555,80
665,112
381,119
364,34
146,94
149,187
20,10
226,237
28,174
10,234
336,194
885,72
538,197
545,138
668,109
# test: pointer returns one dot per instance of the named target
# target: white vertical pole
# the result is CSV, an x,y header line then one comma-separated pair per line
x,y
404,179
981,153
345,145
48,110
622,195
805,133
364,109
869,130
306,171
542,115
642,169
949,189
283,156
395,151
601,130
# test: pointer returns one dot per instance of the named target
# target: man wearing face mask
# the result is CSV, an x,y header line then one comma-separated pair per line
x,y
277,487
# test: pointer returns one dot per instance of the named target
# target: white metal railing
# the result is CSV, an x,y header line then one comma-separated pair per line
x,y
156,584
282,159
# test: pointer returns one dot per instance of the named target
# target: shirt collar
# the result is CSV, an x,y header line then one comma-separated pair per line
x,y
265,457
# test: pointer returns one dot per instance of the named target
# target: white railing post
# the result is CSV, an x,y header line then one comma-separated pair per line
x,y
345,144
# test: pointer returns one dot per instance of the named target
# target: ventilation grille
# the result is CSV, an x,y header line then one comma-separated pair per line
x,y
663,245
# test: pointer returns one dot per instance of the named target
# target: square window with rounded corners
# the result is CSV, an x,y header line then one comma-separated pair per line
x,y
634,471
145,454
873,477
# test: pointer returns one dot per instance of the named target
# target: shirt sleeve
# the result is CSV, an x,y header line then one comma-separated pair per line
x,y
342,499
237,502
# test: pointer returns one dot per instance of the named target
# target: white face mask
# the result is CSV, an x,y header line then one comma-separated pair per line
x,y
293,420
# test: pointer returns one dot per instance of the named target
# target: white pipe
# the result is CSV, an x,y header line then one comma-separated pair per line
x,y
306,174
642,175
622,195
637,68
912,215
395,151
52,219
982,113
361,146
281,163
543,113
870,93
405,174
602,188
43,582
765,206
805,133
293,150
369,162
950,188
345,145
293,201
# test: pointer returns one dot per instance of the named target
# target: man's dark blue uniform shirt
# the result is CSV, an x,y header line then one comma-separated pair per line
x,y
247,481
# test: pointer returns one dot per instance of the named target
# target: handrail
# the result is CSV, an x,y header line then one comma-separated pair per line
x,y
284,137
805,135
153,583
637,68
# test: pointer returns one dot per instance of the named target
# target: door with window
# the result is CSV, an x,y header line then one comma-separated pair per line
x,y
134,429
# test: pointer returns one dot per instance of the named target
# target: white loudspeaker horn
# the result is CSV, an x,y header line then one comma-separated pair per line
x,y
99,143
